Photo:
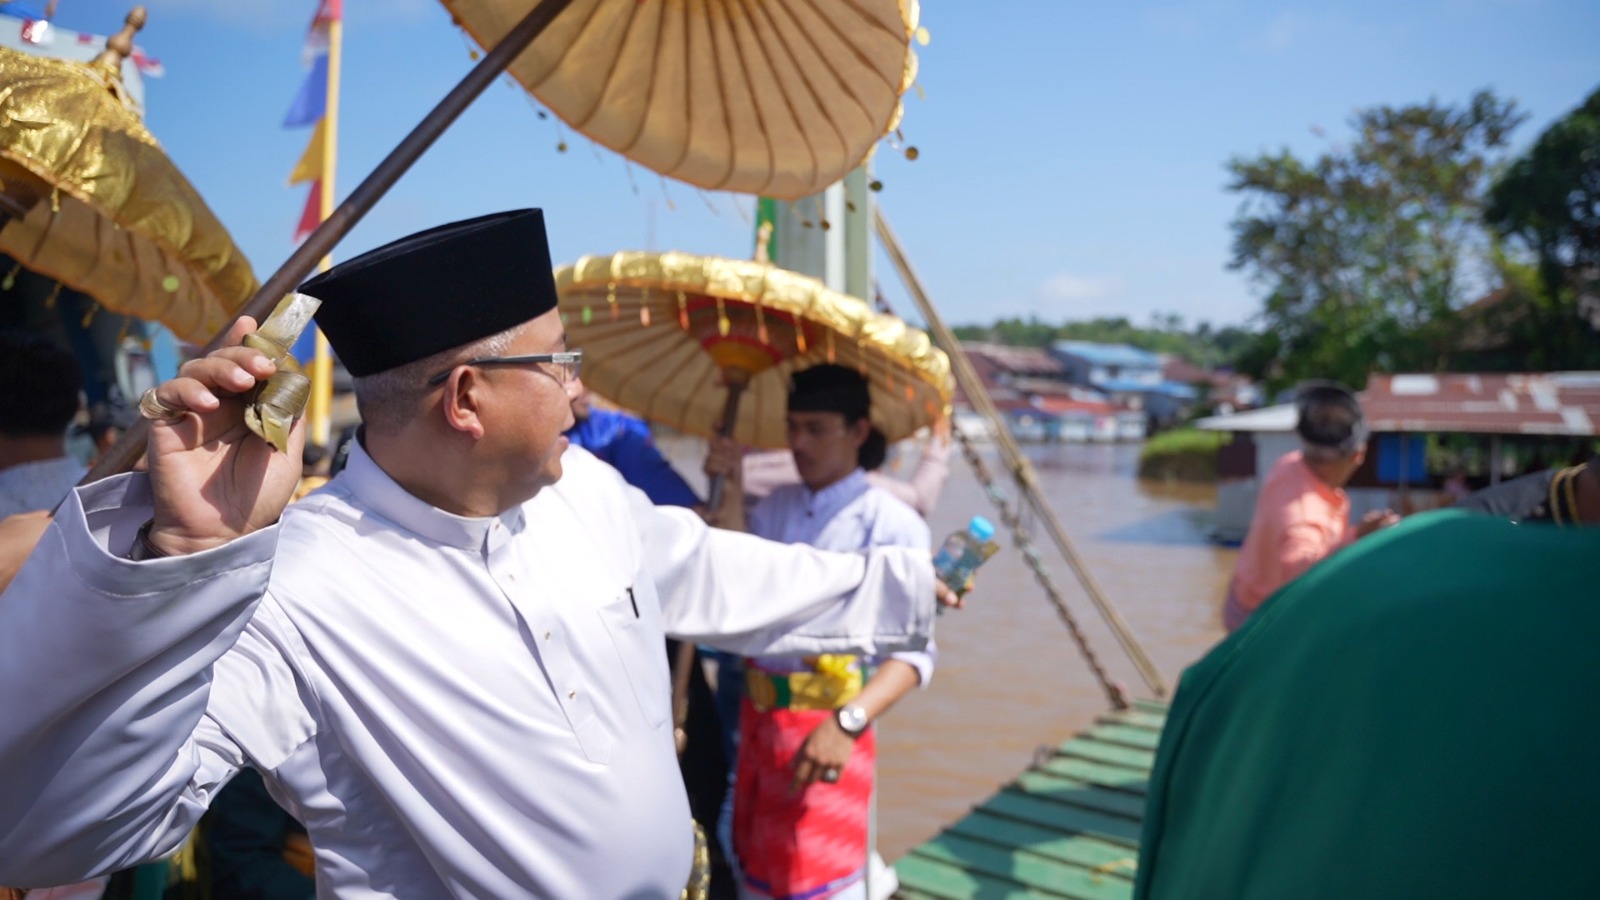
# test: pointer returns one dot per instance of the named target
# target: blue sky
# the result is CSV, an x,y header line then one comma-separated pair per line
x,y
1071,153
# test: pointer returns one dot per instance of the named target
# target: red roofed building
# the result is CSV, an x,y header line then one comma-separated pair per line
x,y
1402,411
1558,403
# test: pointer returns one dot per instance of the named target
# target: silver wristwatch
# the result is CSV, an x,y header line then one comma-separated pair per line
x,y
852,719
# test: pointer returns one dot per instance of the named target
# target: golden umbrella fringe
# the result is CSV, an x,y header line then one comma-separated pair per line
x,y
675,86
738,321
94,203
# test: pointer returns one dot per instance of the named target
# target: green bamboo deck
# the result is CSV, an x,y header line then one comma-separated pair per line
x,y
1067,827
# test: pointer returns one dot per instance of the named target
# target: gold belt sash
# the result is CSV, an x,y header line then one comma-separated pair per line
x,y
832,683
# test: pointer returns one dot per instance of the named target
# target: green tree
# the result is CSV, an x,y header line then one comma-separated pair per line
x,y
1365,252
1548,203
1202,344
1030,332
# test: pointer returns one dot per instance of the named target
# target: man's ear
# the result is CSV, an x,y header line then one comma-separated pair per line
x,y
462,402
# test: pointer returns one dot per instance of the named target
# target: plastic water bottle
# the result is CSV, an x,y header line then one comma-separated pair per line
x,y
963,552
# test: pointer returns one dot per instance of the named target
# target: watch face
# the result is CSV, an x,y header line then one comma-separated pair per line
x,y
852,718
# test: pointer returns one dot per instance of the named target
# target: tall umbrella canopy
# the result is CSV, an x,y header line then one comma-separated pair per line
x,y
664,334
88,198
773,98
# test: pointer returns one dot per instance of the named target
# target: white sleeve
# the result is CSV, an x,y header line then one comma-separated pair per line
x,y
108,752
757,597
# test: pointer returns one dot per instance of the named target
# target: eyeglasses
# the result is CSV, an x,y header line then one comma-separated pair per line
x,y
567,361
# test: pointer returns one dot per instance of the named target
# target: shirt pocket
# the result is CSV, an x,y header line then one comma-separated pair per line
x,y
641,646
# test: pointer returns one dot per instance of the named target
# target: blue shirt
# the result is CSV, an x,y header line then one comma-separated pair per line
x,y
848,515
624,442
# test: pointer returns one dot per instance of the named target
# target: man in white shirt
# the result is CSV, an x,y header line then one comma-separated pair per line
x,y
807,753
446,663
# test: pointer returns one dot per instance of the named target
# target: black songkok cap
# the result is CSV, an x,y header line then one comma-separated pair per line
x,y
435,290
830,388
1330,416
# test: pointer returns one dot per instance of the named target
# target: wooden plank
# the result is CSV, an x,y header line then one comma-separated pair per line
x,y
1047,877
1078,849
1127,736
1063,817
1135,718
1112,754
1068,827
1117,778
1078,793
901,893
933,878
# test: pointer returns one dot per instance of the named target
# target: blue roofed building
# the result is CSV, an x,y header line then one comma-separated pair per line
x,y
1127,375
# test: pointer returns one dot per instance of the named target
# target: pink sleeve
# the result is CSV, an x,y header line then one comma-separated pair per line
x,y
1302,546
921,491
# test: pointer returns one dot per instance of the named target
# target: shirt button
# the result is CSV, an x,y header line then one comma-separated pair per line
x,y
572,695
547,635
511,577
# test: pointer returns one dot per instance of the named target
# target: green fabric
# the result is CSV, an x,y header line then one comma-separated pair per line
x,y
1415,717
767,214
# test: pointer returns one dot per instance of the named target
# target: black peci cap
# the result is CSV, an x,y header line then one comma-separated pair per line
x,y
830,388
435,290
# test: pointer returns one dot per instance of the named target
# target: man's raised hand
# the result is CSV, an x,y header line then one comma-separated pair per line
x,y
213,479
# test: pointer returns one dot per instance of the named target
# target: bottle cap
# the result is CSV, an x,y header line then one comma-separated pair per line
x,y
981,528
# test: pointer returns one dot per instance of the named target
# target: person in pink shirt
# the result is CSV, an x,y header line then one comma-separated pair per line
x,y
1302,514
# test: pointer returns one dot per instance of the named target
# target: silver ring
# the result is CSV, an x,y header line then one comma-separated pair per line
x,y
151,407
830,775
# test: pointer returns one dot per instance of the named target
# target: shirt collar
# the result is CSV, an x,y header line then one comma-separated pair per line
x,y
835,496
373,487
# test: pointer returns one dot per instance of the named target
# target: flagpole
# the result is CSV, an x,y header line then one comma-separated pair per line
x,y
319,411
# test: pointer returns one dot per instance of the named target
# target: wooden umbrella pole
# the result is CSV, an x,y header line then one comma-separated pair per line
x,y
122,457
1020,468
737,381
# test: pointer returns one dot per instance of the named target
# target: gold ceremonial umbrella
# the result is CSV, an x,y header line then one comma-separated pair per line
x,y
774,98
88,198
667,334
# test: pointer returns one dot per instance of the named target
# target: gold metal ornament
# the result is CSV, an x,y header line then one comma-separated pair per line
x,y
273,405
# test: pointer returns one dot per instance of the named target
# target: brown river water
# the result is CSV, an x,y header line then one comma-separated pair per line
x,y
1009,677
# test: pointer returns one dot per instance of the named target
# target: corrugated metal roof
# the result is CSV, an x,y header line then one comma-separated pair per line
x,y
1108,354
1559,403
1057,388
1271,418
1017,360
1129,386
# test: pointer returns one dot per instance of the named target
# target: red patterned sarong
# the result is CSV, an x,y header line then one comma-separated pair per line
x,y
806,844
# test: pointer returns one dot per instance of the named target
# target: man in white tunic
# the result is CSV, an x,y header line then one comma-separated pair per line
x,y
446,663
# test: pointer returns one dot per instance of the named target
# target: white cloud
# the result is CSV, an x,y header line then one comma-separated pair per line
x,y
1068,288
1189,18
1301,32
1284,30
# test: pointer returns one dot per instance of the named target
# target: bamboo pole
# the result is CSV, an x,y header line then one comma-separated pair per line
x,y
130,447
1011,454
319,414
